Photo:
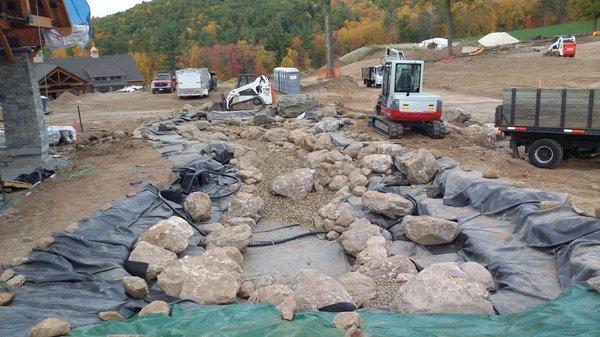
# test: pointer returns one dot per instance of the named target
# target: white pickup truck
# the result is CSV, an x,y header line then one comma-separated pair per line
x,y
193,82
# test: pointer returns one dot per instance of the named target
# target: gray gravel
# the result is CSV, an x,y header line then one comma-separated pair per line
x,y
273,164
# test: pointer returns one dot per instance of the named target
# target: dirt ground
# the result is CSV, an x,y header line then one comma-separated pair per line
x,y
475,85
115,169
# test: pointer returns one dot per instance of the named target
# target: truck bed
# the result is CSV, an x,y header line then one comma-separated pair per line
x,y
575,110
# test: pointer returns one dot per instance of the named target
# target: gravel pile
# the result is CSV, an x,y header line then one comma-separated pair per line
x,y
273,164
386,291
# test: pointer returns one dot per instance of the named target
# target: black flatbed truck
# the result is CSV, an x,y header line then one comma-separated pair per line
x,y
552,124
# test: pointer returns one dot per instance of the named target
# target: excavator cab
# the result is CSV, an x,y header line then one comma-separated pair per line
x,y
402,104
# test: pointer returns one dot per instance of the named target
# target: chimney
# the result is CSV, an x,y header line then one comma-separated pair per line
x,y
94,52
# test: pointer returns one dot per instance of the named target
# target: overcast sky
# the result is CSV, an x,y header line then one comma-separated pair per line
x,y
102,8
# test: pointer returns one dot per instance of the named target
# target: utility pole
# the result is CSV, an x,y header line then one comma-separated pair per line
x,y
328,37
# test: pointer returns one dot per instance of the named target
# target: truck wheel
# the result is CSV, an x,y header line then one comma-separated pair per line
x,y
545,153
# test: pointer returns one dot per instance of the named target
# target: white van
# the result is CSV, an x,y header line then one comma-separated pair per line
x,y
193,82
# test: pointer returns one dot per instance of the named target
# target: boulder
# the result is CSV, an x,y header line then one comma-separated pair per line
x,y
210,227
477,273
156,258
387,268
295,185
391,205
244,205
354,240
491,174
442,288
419,166
110,316
212,278
50,327
6,298
358,179
7,275
323,142
246,289
277,135
347,320
238,237
338,182
485,135
198,205
231,252
328,124
353,149
381,147
361,287
280,296
378,163
292,106
135,287
428,230
241,221
262,119
549,204
172,234
314,290
594,283
359,191
155,307
15,282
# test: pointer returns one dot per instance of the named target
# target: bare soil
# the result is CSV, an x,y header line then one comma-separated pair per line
x,y
472,84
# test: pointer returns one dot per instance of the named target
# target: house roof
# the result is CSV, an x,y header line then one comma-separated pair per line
x,y
87,67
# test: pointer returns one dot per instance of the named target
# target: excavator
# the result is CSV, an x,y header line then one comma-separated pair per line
x,y
402,105
259,92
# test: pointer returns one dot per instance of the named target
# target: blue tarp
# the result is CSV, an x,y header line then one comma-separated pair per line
x,y
79,12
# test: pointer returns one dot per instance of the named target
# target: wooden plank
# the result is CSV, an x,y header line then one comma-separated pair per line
x,y
7,50
512,106
590,110
47,10
25,8
40,21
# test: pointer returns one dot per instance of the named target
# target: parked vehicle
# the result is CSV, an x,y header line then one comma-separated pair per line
x,y
552,124
162,82
373,76
193,82
563,46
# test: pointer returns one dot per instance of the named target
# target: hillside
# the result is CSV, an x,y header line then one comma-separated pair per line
x,y
238,35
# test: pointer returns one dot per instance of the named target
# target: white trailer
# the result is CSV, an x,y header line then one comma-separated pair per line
x,y
193,82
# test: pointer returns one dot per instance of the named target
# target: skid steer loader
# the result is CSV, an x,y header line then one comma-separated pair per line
x,y
258,92
402,105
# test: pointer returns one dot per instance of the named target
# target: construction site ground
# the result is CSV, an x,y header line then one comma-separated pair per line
x,y
108,170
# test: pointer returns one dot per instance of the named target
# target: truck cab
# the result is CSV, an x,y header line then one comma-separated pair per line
x,y
162,82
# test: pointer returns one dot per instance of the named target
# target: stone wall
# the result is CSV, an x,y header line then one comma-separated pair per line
x,y
24,125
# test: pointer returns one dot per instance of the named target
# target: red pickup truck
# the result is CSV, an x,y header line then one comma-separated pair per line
x,y
163,82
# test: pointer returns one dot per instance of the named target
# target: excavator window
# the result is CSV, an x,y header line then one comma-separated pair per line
x,y
408,78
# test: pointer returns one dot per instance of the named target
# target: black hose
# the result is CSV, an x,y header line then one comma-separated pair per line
x,y
276,242
276,229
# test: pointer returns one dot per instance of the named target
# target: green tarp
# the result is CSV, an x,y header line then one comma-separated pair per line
x,y
575,313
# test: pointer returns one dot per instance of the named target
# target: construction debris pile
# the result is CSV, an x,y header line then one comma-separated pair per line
x,y
404,231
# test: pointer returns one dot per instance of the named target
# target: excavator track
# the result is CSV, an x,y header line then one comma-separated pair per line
x,y
435,129
385,126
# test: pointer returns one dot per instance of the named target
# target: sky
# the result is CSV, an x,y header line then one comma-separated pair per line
x,y
102,8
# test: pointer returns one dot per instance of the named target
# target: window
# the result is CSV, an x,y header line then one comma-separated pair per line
x,y
408,78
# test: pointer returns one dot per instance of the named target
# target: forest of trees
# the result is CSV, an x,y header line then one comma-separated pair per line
x,y
254,36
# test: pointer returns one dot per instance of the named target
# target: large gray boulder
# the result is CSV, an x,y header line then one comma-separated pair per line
x,y
292,106
279,295
391,205
386,268
314,290
156,257
419,166
477,273
442,288
295,185
172,234
354,240
198,205
378,163
594,283
238,237
428,230
50,327
212,278
135,287
244,205
361,287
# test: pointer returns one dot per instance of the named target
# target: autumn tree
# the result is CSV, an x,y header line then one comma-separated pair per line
x,y
589,9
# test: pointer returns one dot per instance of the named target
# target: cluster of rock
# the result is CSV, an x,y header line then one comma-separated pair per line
x,y
12,281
